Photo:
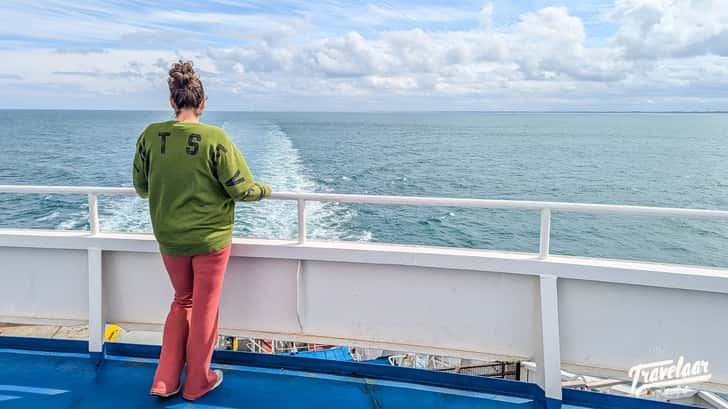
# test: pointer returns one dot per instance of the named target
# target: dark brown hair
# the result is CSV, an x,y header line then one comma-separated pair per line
x,y
185,86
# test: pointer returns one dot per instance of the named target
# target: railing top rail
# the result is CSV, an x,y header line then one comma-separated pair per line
x,y
417,201
73,190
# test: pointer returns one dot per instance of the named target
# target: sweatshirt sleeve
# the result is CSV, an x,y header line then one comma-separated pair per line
x,y
234,175
140,169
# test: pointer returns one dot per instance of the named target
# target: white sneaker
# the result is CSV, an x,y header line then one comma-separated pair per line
x,y
219,379
217,383
166,395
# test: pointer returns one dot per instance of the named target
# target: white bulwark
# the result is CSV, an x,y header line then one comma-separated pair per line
x,y
585,314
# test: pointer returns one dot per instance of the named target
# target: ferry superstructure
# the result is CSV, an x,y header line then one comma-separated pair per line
x,y
563,315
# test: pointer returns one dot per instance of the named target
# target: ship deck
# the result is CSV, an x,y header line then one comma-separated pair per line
x,y
59,374
565,316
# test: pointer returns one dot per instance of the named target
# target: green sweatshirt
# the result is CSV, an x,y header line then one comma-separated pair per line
x,y
192,174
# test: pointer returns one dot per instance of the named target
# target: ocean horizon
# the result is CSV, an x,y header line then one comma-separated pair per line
x,y
208,111
664,159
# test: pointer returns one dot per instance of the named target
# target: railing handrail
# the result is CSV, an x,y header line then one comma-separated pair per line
x,y
545,207
594,208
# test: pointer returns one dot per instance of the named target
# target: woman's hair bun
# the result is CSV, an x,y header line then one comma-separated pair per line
x,y
185,85
182,72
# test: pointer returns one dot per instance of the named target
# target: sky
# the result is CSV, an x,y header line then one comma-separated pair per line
x,y
330,55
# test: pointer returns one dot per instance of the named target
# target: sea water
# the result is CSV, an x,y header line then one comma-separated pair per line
x,y
650,159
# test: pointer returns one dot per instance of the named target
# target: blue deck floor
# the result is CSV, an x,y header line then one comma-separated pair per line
x,y
58,375
39,379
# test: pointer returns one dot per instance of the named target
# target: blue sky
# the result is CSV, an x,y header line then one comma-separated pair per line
x,y
381,55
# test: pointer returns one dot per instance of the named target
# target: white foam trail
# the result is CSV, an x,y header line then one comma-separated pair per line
x,y
280,165
73,222
50,216
123,213
283,169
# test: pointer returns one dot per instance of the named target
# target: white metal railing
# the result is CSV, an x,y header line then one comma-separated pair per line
x,y
557,314
546,208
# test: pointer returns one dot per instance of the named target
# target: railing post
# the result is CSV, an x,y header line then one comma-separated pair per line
x,y
95,302
299,296
548,357
301,239
301,221
545,233
93,213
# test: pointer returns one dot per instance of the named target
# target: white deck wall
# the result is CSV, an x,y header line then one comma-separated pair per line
x,y
467,303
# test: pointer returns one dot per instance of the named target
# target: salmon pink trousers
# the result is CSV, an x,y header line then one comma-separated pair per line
x,y
190,332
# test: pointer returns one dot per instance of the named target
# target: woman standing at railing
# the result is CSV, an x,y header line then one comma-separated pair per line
x,y
192,174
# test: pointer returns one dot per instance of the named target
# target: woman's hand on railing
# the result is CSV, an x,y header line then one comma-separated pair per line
x,y
257,191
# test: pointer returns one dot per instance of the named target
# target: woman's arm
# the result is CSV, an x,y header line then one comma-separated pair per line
x,y
234,174
141,168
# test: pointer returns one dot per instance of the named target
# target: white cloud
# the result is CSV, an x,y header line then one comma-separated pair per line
x,y
382,14
661,50
546,46
486,15
652,29
108,73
